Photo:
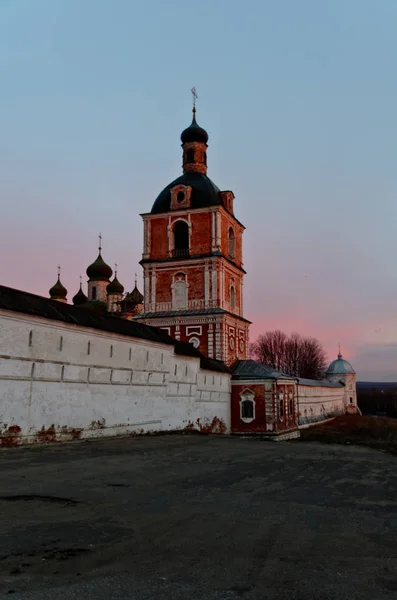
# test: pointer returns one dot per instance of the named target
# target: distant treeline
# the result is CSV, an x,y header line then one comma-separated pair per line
x,y
377,398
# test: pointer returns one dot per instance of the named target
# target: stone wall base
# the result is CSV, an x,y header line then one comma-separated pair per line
x,y
280,436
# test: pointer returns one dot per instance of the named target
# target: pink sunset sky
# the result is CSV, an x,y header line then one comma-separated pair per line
x,y
299,103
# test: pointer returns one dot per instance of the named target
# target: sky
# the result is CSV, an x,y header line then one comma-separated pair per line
x,y
299,100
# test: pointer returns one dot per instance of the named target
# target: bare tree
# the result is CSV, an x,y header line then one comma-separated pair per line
x,y
294,355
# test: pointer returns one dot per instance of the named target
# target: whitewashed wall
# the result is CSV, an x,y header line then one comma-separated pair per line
x,y
317,403
62,381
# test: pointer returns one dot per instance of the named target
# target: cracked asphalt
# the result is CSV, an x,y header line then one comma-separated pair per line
x,y
198,517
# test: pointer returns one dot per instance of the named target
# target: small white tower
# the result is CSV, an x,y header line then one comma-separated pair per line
x,y
341,371
99,274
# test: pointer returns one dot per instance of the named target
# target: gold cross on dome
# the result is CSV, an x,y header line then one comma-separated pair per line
x,y
59,271
195,96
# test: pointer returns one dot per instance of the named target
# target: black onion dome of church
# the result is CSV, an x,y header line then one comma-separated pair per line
x,y
136,296
99,270
115,287
194,133
204,192
80,297
58,291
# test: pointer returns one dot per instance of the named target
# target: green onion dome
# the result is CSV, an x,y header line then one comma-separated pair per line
x,y
99,270
80,298
58,291
115,287
136,296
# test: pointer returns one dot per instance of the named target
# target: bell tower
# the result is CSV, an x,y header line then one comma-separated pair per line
x,y
192,259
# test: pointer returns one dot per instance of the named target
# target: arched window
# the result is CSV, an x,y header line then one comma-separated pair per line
x,y
291,404
179,292
232,243
190,155
247,409
205,158
232,297
281,405
247,406
181,239
94,292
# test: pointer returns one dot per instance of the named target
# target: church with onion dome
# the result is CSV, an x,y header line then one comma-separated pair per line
x,y
104,294
173,357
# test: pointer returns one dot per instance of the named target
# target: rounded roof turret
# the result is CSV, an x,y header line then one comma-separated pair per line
x,y
58,291
340,366
194,133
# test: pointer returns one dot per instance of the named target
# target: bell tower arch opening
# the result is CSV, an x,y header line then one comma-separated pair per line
x,y
232,243
180,234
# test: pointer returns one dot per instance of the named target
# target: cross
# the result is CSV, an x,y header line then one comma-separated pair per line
x,y
59,271
81,281
100,241
195,96
115,269
136,279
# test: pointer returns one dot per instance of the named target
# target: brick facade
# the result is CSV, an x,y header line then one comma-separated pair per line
x,y
192,260
274,411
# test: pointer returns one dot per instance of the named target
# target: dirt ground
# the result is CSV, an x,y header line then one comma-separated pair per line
x,y
198,517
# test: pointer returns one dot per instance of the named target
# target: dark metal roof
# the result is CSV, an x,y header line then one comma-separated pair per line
x,y
204,193
250,369
31,304
189,312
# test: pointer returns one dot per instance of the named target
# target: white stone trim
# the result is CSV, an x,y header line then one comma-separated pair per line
x,y
206,285
153,287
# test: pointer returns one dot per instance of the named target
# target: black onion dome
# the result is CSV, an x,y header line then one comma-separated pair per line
x,y
99,269
58,291
80,298
136,296
115,287
204,192
194,133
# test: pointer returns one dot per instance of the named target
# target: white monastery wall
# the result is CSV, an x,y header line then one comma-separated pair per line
x,y
62,381
317,403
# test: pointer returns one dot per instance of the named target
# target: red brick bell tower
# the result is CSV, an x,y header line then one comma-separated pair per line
x,y
192,259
